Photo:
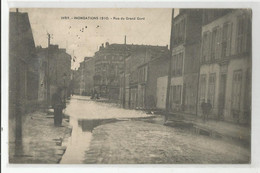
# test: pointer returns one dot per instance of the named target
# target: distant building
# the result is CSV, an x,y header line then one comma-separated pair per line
x,y
109,63
81,70
86,72
185,61
75,82
55,68
226,64
23,74
143,66
89,74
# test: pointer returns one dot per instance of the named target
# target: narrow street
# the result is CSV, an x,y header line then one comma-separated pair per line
x,y
104,133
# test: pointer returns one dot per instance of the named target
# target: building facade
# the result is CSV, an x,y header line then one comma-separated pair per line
x,y
185,61
87,72
226,64
81,71
143,66
54,70
109,63
23,75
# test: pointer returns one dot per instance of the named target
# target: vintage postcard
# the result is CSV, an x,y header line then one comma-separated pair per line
x,y
130,86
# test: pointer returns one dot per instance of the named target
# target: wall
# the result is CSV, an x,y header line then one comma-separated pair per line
x,y
21,63
89,74
161,92
237,64
207,69
156,68
227,65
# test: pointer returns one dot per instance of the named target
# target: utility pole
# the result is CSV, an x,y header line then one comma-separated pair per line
x,y
48,70
170,70
124,90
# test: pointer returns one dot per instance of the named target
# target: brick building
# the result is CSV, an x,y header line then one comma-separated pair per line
x,y
226,64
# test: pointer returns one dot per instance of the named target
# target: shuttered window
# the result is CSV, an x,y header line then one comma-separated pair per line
x,y
236,89
211,88
202,89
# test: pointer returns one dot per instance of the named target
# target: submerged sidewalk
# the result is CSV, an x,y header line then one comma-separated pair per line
x,y
42,142
219,129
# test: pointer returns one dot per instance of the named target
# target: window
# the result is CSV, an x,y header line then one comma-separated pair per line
x,y
218,43
211,89
243,41
179,31
143,74
180,64
236,91
205,47
213,44
224,40
176,94
146,73
173,64
202,89
177,64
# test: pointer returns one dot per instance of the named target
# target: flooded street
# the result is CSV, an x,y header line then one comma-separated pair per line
x,y
84,115
104,133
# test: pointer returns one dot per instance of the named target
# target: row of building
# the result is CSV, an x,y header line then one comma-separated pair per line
x,y
210,59
34,73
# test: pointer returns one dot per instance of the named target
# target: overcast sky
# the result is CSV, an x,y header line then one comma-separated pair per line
x,y
69,33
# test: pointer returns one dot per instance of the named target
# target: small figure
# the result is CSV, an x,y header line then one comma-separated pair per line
x,y
57,105
206,109
203,108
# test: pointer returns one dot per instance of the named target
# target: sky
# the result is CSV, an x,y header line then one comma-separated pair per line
x,y
82,38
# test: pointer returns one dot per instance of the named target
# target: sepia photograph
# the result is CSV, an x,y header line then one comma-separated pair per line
x,y
129,85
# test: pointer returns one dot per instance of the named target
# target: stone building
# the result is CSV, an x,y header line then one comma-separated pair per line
x,y
87,72
81,70
109,63
55,69
143,66
75,82
226,64
185,61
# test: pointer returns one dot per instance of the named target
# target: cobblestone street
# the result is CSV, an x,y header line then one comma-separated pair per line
x,y
141,142
103,133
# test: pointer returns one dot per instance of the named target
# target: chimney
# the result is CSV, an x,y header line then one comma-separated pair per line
x,y
107,44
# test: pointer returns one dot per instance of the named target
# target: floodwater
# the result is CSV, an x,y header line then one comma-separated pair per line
x,y
84,115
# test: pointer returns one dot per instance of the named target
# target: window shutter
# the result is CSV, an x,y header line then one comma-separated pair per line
x,y
229,39
209,46
219,41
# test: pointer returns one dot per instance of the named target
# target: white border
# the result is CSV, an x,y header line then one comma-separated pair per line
x,y
255,165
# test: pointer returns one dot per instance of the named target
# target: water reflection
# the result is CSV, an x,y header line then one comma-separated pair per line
x,y
89,125
77,144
